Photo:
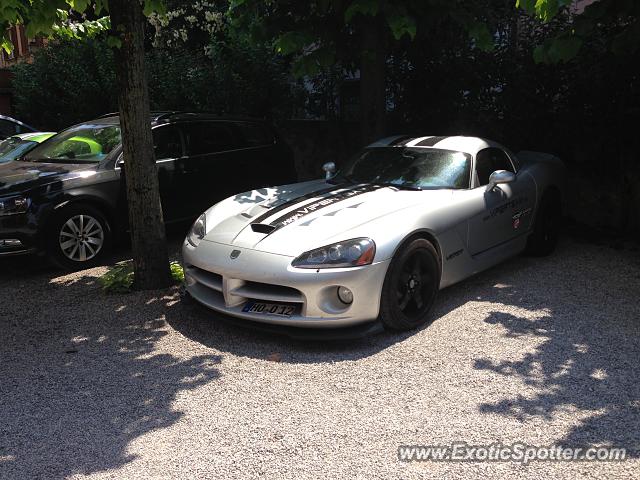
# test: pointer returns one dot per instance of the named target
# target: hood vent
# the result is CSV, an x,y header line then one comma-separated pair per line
x,y
262,228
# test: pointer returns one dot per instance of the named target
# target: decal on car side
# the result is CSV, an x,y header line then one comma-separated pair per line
x,y
516,218
500,209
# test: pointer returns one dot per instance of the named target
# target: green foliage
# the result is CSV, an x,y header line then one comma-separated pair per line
x,y
317,35
70,19
120,278
545,10
615,23
177,272
74,80
67,82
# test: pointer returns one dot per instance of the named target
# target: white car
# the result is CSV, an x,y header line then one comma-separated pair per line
x,y
403,219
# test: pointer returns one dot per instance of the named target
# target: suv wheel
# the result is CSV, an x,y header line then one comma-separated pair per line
x,y
79,238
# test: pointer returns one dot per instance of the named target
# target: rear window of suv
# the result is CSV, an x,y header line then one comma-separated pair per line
x,y
203,138
255,134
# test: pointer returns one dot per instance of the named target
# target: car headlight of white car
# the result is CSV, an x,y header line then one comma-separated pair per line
x,y
13,206
198,230
350,253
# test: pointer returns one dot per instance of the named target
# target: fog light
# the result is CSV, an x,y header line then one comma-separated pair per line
x,y
345,295
10,243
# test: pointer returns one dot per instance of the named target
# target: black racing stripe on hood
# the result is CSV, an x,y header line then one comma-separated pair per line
x,y
430,142
314,206
301,198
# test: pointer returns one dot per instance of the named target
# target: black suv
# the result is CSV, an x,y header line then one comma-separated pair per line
x,y
67,196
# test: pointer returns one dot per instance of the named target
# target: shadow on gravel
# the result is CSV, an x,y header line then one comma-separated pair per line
x,y
586,361
587,350
83,375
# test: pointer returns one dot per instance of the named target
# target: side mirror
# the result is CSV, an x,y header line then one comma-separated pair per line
x,y
500,176
329,169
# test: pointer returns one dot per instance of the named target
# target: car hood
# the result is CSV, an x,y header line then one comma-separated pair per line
x,y
296,218
18,176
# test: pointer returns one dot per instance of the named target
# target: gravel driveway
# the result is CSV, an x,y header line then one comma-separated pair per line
x,y
145,386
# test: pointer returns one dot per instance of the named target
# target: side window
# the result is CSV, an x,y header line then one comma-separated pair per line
x,y
488,161
8,128
167,142
209,137
255,134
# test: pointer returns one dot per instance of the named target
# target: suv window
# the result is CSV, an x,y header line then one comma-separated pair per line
x,y
209,137
8,128
488,161
254,134
167,142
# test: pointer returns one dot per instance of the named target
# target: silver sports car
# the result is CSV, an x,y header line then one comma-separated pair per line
x,y
403,219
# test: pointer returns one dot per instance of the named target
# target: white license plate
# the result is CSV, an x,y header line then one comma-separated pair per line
x,y
269,308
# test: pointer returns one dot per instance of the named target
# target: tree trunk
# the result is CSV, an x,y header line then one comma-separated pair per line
x,y
373,67
150,256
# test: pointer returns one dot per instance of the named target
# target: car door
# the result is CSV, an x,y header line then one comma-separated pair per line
x,y
214,166
503,212
168,146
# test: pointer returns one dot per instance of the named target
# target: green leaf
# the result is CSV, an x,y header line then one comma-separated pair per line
x,y
154,6
292,42
401,25
363,7
481,35
545,10
114,42
563,49
540,54
6,45
78,5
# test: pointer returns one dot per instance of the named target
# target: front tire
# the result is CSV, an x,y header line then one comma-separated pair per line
x,y
79,237
410,286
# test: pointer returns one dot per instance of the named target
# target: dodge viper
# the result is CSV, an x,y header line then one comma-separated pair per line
x,y
375,241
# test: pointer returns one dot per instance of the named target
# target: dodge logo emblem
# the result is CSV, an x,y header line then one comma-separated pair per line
x,y
235,254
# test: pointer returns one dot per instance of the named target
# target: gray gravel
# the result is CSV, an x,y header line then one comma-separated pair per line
x,y
145,386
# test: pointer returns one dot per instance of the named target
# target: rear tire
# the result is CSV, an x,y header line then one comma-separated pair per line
x,y
546,226
79,237
410,287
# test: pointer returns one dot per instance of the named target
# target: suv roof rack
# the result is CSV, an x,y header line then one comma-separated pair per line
x,y
160,116
207,115
157,114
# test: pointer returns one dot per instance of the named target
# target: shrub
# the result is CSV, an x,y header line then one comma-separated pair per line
x,y
119,279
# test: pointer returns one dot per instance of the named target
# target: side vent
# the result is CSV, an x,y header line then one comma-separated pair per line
x,y
262,228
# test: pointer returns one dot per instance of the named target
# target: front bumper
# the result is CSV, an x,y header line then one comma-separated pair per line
x,y
225,285
18,235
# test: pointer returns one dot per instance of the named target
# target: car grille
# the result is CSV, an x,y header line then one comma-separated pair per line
x,y
240,290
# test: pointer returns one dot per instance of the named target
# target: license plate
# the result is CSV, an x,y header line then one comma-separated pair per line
x,y
269,308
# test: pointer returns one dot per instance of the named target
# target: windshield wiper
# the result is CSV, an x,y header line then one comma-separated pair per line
x,y
401,186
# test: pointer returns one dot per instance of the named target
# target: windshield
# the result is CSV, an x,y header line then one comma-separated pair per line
x,y
424,168
81,144
13,147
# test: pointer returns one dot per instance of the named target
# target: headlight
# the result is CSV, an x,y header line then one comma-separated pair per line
x,y
14,205
350,253
198,230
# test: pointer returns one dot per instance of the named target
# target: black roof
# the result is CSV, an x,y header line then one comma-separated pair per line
x,y
167,116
